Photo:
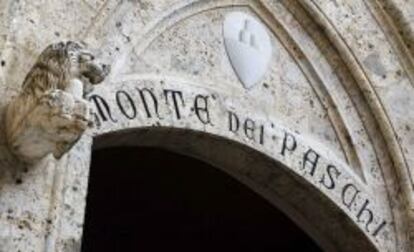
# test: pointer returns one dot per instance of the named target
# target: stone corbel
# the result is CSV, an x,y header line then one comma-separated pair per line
x,y
50,114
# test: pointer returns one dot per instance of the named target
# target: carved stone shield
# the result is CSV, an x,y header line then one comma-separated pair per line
x,y
248,47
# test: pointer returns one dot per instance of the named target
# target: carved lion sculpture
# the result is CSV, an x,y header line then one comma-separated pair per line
x,y
50,114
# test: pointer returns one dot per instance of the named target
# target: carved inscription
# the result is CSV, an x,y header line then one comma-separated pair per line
x,y
329,180
142,103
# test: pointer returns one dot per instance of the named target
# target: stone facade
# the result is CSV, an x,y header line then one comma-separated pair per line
x,y
326,133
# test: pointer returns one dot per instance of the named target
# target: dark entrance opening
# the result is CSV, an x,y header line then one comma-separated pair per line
x,y
148,199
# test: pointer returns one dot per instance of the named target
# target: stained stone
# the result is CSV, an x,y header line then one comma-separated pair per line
x,y
318,119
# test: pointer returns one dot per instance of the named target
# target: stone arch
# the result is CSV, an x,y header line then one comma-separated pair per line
x,y
335,46
312,211
350,95
169,106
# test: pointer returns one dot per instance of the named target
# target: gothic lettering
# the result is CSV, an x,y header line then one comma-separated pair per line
x,y
364,211
310,159
349,194
379,228
175,95
151,96
234,122
103,108
201,109
126,104
249,127
289,143
332,175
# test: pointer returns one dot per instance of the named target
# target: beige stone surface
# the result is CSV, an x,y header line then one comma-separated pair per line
x,y
332,118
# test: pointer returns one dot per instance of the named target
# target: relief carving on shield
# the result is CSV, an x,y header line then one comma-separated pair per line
x,y
248,47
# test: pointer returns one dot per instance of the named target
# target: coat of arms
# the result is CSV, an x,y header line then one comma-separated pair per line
x,y
248,47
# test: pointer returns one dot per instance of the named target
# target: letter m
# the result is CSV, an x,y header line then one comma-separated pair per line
x,y
102,110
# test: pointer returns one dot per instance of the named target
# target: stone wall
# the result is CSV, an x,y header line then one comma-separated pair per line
x,y
326,133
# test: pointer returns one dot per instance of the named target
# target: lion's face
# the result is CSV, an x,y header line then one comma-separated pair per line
x,y
77,60
83,63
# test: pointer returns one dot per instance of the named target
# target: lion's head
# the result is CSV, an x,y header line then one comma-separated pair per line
x,y
62,62
82,62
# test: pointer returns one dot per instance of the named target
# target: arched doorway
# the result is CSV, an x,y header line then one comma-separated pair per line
x,y
150,199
